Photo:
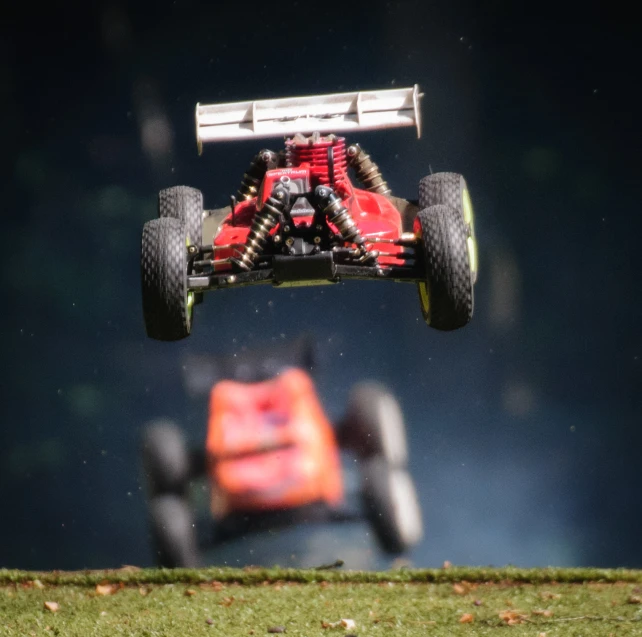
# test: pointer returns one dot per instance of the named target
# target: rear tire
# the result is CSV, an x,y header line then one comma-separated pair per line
x,y
446,296
185,204
374,426
173,531
167,303
391,506
450,189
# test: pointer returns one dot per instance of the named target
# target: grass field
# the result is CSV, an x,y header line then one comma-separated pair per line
x,y
258,601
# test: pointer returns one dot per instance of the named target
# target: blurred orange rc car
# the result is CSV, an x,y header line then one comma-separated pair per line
x,y
272,457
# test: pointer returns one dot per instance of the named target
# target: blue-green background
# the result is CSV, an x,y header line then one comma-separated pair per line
x,y
524,426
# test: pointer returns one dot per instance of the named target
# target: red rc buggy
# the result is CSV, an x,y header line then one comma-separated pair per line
x,y
272,459
297,218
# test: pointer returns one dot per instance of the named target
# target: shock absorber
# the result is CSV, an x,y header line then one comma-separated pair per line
x,y
263,161
367,171
264,220
339,215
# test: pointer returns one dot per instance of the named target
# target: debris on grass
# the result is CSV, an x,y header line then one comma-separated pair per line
x,y
215,586
513,617
549,595
543,613
209,621
189,592
106,589
331,565
276,629
347,624
467,618
463,587
53,607
634,599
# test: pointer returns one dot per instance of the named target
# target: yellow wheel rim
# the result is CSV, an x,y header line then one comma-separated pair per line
x,y
471,242
190,294
424,299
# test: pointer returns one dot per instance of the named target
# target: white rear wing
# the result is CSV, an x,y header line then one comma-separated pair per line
x,y
333,113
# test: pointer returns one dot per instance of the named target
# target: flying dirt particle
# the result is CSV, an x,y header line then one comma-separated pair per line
x,y
446,565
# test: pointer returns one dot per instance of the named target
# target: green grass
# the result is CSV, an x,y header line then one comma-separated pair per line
x,y
234,602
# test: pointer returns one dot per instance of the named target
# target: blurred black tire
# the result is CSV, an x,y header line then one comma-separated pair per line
x,y
173,532
373,424
166,460
391,506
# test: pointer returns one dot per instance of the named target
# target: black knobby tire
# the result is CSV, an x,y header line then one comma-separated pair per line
x,y
167,304
451,189
186,204
166,459
391,505
173,532
373,424
446,296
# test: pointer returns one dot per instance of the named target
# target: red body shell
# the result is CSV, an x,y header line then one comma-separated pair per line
x,y
270,446
374,214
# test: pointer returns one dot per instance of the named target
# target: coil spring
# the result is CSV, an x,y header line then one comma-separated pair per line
x,y
340,216
263,161
367,171
264,220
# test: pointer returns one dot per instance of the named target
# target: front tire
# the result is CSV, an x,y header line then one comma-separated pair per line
x,y
174,537
446,295
167,303
391,505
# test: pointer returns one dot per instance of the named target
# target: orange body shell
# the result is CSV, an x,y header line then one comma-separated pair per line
x,y
270,446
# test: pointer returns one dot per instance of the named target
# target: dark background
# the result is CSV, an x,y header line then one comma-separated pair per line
x,y
525,426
